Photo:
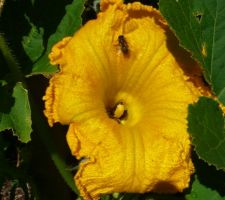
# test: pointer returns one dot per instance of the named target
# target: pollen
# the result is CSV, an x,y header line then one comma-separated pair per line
x,y
118,112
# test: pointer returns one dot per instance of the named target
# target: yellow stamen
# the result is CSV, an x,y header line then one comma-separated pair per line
x,y
119,112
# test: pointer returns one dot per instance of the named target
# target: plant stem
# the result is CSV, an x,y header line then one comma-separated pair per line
x,y
38,120
10,59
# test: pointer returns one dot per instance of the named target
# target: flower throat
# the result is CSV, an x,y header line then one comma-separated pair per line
x,y
118,112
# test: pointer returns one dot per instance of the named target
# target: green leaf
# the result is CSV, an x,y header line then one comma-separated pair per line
x,y
15,112
200,27
70,23
33,43
206,126
200,192
207,184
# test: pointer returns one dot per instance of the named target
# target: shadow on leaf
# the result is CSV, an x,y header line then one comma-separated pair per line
x,y
7,101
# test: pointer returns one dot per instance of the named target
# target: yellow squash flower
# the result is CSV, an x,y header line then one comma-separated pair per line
x,y
125,96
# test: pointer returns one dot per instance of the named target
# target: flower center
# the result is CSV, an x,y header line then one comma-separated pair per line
x,y
125,109
118,112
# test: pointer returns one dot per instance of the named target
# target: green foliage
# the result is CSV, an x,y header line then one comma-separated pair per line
x,y
29,55
15,112
200,27
208,135
67,27
33,43
207,184
200,192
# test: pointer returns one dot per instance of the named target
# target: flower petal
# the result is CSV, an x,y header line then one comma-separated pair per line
x,y
124,62
128,160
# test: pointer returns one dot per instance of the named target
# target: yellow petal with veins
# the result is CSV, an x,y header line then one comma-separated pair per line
x,y
125,97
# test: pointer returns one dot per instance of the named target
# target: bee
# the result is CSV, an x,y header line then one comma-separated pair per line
x,y
123,44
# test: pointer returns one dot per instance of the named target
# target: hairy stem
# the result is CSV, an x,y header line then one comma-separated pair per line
x,y
10,59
